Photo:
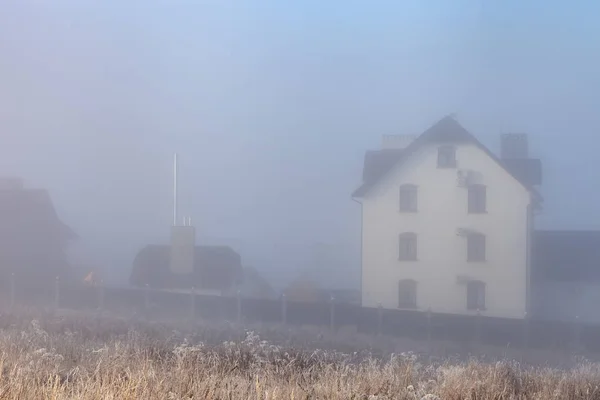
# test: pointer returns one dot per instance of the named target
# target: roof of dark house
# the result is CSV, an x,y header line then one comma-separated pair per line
x,y
31,210
215,267
563,256
254,284
447,130
33,239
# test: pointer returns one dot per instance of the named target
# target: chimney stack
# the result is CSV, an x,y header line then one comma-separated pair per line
x,y
514,146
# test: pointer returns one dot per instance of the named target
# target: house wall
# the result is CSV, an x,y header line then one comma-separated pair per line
x,y
442,208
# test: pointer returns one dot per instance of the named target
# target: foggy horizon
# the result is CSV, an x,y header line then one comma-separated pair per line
x,y
271,107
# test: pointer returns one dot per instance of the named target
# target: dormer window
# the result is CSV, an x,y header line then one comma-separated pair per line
x,y
446,157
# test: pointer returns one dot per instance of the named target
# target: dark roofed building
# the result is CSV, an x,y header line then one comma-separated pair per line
x,y
215,268
566,276
33,240
566,256
255,285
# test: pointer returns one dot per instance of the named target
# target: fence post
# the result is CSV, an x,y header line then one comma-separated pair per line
x,y
379,319
12,291
147,300
525,332
57,293
284,309
101,296
193,304
478,328
332,314
429,325
239,308
577,335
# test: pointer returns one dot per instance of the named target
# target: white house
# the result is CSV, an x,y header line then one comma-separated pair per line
x,y
446,224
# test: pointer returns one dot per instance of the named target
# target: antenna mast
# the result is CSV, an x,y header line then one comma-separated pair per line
x,y
175,189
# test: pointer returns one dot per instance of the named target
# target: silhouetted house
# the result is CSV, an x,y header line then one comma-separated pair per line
x,y
33,240
254,285
302,289
566,275
215,268
566,256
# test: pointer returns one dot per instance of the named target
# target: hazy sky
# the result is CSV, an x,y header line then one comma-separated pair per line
x,y
271,105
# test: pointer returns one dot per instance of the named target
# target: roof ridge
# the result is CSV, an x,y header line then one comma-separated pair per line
x,y
446,129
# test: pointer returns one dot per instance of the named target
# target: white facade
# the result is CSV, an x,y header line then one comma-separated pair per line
x,y
441,270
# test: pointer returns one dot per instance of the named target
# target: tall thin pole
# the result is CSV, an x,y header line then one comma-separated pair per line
x,y
175,189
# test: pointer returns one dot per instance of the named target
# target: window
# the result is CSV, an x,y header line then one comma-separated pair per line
x,y
477,199
475,295
408,198
407,294
408,247
446,157
476,247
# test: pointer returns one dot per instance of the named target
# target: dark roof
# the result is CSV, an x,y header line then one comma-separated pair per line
x,y
447,130
378,162
527,170
566,256
31,210
215,267
33,240
254,284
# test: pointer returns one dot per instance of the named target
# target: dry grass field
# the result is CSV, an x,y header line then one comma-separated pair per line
x,y
79,357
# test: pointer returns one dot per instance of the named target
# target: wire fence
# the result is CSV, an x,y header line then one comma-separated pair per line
x,y
197,305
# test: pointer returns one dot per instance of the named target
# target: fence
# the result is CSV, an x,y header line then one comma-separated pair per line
x,y
527,333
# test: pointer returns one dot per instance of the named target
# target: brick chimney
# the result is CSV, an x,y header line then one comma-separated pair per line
x,y
514,146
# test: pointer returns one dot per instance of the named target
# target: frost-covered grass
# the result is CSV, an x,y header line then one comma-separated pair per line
x,y
45,356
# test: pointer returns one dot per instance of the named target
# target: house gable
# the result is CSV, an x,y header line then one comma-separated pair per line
x,y
419,170
378,164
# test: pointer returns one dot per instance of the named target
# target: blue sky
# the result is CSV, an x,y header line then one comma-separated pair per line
x,y
271,105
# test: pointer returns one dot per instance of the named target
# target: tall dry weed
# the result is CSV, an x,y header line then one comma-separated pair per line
x,y
78,358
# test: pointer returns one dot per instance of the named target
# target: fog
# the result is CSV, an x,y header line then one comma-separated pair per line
x,y
271,106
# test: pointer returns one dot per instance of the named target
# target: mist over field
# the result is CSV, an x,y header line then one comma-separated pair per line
x,y
271,107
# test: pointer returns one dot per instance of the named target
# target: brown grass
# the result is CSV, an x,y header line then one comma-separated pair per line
x,y
49,357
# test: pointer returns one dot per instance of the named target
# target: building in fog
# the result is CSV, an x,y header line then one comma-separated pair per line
x,y
566,275
254,285
216,268
33,240
447,225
